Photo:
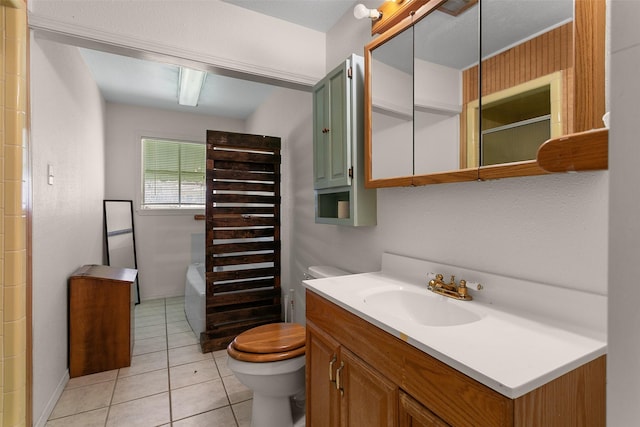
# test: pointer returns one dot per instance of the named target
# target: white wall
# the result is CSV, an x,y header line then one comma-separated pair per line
x,y
623,359
163,242
67,131
287,114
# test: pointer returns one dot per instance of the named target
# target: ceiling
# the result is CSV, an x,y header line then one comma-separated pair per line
x,y
140,82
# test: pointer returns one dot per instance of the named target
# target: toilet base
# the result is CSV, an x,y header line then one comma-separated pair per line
x,y
275,411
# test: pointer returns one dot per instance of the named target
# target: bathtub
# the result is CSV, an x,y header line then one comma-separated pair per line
x,y
195,297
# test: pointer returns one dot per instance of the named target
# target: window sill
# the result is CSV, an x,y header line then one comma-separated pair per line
x,y
169,211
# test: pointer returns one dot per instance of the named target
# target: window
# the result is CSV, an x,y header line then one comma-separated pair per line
x,y
173,174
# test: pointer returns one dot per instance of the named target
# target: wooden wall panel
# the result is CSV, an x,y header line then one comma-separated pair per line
x,y
545,54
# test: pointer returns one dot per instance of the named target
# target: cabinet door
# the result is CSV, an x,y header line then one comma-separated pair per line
x,y
322,354
320,135
414,414
332,129
367,398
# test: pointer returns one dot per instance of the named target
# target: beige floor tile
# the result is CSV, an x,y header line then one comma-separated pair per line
x,y
236,391
219,353
150,331
139,394
197,398
181,326
181,339
82,399
142,385
221,363
145,363
85,380
144,312
152,302
193,373
155,319
175,308
146,308
187,354
149,345
176,317
222,417
242,412
174,300
145,412
95,418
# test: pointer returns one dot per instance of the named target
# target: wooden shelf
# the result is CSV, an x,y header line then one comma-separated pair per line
x,y
581,151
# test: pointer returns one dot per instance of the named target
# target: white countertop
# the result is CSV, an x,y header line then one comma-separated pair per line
x,y
509,353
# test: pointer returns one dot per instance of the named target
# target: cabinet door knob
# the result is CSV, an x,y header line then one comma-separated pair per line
x,y
325,130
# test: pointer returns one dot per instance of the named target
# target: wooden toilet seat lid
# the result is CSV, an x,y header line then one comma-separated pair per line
x,y
271,338
263,357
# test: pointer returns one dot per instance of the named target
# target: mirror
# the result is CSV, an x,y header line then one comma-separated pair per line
x,y
120,237
392,107
527,61
542,77
445,47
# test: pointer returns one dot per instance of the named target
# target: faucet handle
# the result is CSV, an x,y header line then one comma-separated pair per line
x,y
462,288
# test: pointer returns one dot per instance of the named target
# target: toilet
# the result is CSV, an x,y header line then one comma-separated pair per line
x,y
270,360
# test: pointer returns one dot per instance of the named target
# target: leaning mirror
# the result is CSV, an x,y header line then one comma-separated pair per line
x,y
120,237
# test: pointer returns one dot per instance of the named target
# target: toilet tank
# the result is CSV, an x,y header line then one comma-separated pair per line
x,y
322,271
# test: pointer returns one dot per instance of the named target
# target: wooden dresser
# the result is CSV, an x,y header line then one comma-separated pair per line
x,y
101,319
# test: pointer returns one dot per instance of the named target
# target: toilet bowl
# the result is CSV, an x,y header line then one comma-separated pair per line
x,y
270,360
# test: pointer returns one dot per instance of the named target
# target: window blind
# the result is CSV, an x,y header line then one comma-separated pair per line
x,y
173,174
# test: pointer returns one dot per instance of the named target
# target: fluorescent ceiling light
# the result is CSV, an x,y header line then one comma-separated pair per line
x,y
191,82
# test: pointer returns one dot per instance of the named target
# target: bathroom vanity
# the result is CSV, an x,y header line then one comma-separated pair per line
x,y
400,367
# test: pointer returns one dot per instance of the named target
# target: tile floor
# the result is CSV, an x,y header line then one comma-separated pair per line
x,y
170,381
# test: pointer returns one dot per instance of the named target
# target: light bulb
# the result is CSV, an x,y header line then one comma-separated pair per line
x,y
361,11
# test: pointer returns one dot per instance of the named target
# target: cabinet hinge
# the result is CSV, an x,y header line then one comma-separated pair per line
x,y
351,172
350,72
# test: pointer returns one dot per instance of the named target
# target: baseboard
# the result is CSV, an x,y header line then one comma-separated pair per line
x,y
51,404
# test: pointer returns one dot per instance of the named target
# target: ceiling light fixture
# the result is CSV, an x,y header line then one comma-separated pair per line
x,y
191,82
361,11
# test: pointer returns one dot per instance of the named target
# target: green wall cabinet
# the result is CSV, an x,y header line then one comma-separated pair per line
x,y
338,148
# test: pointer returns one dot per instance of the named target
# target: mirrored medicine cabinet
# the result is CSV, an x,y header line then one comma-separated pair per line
x,y
538,65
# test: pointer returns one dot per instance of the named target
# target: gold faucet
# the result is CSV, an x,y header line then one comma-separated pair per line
x,y
452,290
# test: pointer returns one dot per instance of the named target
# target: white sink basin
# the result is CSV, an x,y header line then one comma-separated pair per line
x,y
420,307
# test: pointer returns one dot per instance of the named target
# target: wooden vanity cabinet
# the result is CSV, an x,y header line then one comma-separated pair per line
x,y
346,390
322,353
413,414
387,382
